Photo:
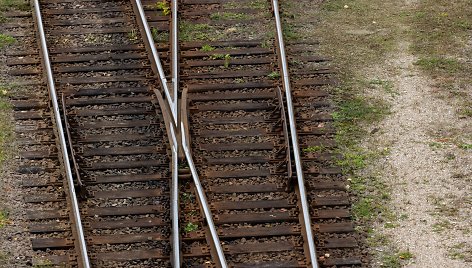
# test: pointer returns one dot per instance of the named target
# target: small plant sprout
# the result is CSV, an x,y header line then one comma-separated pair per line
x,y
164,6
207,48
3,218
227,60
6,40
465,146
155,34
191,227
405,255
133,35
274,75
217,56
187,197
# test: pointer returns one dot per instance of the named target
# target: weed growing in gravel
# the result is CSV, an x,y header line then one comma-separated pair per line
x,y
3,218
133,35
435,145
438,64
159,36
207,48
289,33
190,31
217,56
226,57
228,16
191,227
405,255
3,258
386,85
6,40
187,197
465,146
258,4
5,124
441,226
22,5
44,264
274,75
459,251
394,260
466,110
164,6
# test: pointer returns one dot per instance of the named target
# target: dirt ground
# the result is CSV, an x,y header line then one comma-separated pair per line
x,y
429,174
424,168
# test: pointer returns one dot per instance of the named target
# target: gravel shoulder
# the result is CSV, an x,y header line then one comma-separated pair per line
x,y
428,171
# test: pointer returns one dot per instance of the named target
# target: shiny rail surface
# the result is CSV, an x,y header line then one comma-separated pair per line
x,y
109,99
294,136
82,252
194,149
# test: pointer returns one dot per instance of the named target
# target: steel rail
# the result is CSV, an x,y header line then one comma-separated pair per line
x,y
83,255
157,61
172,102
175,151
203,200
176,256
175,58
294,137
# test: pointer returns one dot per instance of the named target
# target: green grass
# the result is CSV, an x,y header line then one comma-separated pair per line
x,y
437,64
22,5
225,57
353,113
257,4
436,145
6,132
440,32
3,218
386,85
187,197
460,251
274,75
6,40
191,32
466,146
364,209
159,36
355,41
395,260
289,33
228,16
190,227
207,48
133,35
441,226
44,264
164,6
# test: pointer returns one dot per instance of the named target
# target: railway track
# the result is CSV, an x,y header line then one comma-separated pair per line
x,y
255,185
